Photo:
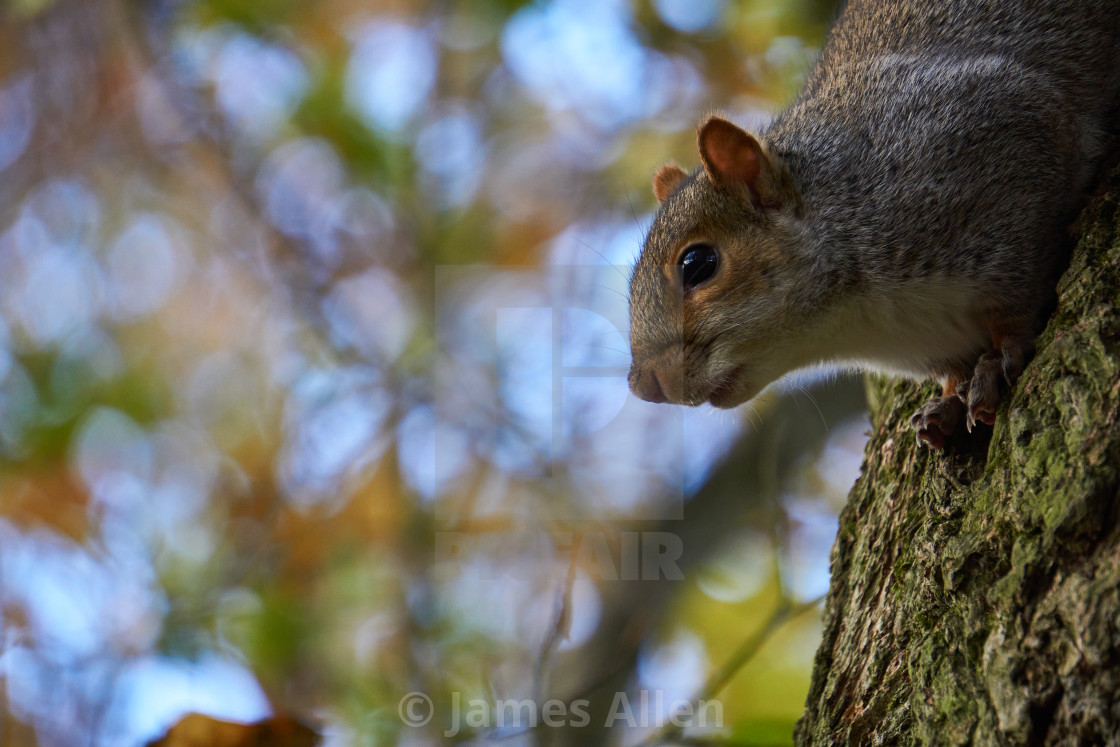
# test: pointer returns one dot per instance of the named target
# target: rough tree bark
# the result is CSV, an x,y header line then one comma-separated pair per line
x,y
975,594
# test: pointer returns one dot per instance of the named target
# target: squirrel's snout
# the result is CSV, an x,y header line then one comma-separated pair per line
x,y
645,384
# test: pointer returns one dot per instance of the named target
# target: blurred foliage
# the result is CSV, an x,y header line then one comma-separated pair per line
x,y
284,290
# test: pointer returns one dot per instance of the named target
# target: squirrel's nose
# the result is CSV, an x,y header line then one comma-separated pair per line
x,y
645,385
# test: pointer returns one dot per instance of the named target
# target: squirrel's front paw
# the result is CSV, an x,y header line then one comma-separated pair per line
x,y
982,394
936,420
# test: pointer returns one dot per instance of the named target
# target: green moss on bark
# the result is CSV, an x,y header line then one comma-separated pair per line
x,y
975,594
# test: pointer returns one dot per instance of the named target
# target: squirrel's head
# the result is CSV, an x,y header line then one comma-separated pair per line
x,y
710,313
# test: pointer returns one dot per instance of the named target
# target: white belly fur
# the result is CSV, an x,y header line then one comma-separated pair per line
x,y
906,332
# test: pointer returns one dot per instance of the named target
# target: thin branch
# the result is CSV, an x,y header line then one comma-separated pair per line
x,y
747,650
558,631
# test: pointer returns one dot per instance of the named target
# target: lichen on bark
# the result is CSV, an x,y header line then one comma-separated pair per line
x,y
975,594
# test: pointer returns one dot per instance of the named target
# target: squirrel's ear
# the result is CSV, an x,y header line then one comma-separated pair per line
x,y
666,180
732,155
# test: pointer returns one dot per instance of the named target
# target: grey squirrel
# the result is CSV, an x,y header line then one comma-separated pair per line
x,y
908,213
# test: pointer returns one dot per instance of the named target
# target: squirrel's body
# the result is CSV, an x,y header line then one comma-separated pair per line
x,y
885,187
907,213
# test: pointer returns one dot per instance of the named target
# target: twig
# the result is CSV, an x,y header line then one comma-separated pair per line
x,y
786,610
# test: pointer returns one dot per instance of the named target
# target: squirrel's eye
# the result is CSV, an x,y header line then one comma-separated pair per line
x,y
697,263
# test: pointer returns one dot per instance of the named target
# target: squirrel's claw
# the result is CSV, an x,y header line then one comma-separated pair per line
x,y
932,437
936,420
983,392
980,414
1016,351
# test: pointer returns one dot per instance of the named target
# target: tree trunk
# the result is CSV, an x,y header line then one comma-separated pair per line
x,y
975,594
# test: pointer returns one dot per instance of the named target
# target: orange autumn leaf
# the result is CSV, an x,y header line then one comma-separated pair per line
x,y
198,730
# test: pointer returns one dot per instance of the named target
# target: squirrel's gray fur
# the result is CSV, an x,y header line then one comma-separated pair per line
x,y
910,213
